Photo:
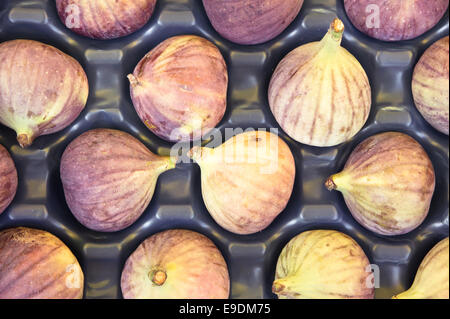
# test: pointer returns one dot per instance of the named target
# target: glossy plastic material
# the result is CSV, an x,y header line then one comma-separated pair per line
x,y
177,202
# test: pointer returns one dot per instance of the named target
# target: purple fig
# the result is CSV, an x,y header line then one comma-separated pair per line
x,y
430,85
179,89
43,89
35,264
107,19
109,178
395,20
176,264
251,21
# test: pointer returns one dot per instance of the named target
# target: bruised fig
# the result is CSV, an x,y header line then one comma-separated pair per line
x,y
430,85
176,264
35,264
247,181
109,178
323,264
395,20
320,94
250,21
431,280
8,179
43,89
387,183
106,19
179,89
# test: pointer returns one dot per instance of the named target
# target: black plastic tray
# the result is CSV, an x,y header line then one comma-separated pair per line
x,y
177,202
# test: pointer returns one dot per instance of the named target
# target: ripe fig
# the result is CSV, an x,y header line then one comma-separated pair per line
x,y
430,85
35,264
8,179
387,183
179,89
250,21
431,280
323,264
176,264
247,181
43,89
395,20
107,19
109,178
320,94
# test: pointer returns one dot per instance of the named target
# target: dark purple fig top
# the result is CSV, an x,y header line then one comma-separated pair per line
x,y
106,19
251,21
395,20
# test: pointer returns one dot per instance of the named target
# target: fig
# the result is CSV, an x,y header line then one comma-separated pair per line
x,y
387,183
320,94
431,280
430,85
43,89
394,20
109,178
176,264
179,89
250,21
8,179
247,181
323,264
35,264
107,19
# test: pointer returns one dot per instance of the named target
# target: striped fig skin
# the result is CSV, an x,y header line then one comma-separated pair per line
x,y
319,93
109,178
176,264
179,89
247,181
42,90
323,264
398,19
432,280
35,264
8,179
430,85
388,183
251,21
105,19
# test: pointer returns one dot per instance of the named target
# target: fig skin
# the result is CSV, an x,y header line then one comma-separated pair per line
x,y
107,19
179,89
35,264
109,178
430,85
399,19
8,179
176,264
251,21
432,278
387,183
322,264
44,90
247,181
319,93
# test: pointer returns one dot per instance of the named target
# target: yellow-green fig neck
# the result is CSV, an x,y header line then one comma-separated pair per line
x,y
331,42
285,287
339,182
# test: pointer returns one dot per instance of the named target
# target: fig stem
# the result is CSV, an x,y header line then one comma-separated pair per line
x,y
24,140
337,28
330,185
158,277
195,153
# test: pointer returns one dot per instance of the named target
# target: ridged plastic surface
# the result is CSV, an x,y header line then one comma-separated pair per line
x,y
177,202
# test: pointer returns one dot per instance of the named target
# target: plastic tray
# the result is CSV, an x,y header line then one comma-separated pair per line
x,y
177,202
